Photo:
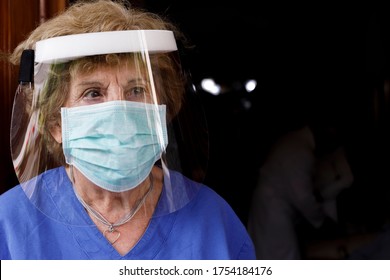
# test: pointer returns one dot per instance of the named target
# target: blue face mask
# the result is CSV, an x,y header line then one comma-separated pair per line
x,y
114,144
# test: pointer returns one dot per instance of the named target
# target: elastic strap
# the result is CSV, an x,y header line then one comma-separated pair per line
x,y
26,70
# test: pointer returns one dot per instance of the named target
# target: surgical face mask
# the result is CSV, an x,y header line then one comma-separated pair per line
x,y
114,144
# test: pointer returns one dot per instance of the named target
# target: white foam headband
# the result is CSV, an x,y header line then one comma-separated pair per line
x,y
69,47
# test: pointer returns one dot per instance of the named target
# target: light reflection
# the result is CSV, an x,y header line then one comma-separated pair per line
x,y
210,86
250,85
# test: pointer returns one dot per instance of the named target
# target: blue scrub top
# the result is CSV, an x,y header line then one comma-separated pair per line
x,y
206,228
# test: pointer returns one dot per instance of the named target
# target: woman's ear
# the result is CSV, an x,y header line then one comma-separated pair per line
x,y
56,132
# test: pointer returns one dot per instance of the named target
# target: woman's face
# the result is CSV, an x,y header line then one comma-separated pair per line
x,y
108,83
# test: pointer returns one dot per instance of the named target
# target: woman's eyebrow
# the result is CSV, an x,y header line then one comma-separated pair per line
x,y
84,83
88,83
136,80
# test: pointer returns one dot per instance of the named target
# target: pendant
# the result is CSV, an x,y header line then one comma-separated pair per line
x,y
112,235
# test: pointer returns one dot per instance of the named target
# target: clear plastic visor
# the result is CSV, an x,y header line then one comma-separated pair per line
x,y
92,138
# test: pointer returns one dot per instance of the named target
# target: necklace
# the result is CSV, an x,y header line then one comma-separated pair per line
x,y
111,233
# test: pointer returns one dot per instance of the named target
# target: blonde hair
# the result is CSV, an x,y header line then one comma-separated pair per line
x,y
98,16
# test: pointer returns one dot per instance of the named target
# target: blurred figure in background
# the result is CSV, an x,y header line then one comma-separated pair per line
x,y
298,183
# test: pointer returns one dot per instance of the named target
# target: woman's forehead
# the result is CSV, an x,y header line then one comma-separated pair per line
x,y
109,60
124,68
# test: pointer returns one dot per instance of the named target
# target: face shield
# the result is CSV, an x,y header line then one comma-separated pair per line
x,y
105,111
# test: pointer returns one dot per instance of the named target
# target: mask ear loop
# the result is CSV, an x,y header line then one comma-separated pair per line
x,y
71,174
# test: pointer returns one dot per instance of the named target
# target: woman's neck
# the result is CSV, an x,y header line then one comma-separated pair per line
x,y
103,200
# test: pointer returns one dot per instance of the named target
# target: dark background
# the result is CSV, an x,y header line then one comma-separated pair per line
x,y
328,62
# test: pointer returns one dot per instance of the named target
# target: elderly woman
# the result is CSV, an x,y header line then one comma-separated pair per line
x,y
89,139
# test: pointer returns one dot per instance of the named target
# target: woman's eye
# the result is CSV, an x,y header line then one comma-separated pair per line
x,y
92,94
136,93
